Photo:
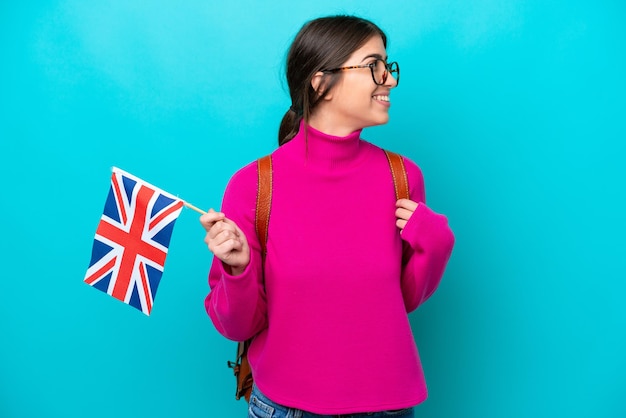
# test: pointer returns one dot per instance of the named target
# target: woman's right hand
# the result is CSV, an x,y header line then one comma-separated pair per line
x,y
226,241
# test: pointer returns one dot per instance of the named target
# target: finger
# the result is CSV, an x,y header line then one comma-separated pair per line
x,y
225,236
402,213
210,218
227,249
236,228
217,228
231,224
220,227
224,243
401,223
407,204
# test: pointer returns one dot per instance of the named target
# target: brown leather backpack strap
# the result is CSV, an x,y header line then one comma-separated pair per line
x,y
398,172
263,201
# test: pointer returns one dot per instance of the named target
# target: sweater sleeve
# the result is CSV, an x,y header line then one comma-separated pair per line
x,y
428,243
237,304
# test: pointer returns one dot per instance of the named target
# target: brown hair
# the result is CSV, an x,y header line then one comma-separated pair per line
x,y
322,43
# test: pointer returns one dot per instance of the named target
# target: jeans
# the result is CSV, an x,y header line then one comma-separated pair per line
x,y
262,407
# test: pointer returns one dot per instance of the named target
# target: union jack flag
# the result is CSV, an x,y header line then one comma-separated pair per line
x,y
131,240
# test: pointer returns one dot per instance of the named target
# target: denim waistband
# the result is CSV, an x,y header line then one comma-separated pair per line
x,y
262,407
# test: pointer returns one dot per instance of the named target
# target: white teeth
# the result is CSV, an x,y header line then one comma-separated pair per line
x,y
382,98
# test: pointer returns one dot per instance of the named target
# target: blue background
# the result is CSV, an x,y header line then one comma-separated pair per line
x,y
515,111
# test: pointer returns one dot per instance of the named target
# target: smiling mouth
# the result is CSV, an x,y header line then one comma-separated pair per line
x,y
381,98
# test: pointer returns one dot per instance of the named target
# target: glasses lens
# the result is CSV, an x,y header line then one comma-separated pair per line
x,y
379,71
394,69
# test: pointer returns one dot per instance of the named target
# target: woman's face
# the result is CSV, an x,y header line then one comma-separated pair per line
x,y
356,101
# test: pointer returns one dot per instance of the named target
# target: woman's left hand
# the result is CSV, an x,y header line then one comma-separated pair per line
x,y
404,211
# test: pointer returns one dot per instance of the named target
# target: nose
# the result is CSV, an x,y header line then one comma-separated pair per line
x,y
391,81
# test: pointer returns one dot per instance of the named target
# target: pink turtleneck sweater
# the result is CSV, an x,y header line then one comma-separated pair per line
x,y
332,335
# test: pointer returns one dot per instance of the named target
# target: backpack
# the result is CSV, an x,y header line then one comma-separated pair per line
x,y
241,367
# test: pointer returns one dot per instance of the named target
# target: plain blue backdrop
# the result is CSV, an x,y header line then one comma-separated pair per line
x,y
515,111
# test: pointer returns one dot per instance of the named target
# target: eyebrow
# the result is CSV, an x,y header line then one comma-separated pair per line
x,y
377,56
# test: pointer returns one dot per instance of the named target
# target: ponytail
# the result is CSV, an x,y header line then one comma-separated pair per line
x,y
289,126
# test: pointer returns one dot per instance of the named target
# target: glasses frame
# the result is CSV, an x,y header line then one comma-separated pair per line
x,y
389,69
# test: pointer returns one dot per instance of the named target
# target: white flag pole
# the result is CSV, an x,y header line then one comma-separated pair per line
x,y
192,207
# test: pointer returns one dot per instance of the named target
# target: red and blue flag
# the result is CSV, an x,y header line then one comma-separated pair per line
x,y
132,240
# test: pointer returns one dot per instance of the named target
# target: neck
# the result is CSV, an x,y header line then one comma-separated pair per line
x,y
325,150
324,122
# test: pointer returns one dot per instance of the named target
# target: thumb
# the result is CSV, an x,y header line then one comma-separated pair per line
x,y
211,218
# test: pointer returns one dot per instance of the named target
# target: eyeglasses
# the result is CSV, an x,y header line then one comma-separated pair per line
x,y
380,70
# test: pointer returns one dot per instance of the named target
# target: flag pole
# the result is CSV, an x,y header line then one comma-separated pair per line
x,y
192,207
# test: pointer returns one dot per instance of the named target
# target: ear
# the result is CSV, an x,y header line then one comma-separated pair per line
x,y
318,82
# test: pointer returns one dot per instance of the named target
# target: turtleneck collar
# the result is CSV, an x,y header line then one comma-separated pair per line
x,y
327,151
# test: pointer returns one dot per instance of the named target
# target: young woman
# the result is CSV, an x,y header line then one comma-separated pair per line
x,y
345,261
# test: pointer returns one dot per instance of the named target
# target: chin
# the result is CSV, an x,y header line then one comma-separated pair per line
x,y
375,121
381,121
